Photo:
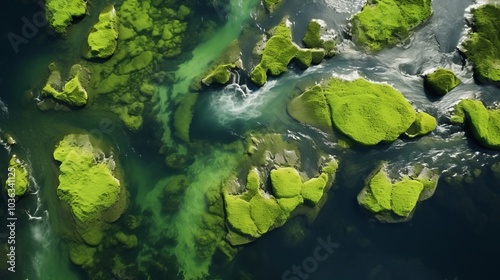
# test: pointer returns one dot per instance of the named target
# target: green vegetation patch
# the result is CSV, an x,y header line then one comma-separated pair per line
x,y
88,186
317,36
74,91
395,201
102,40
384,23
60,13
271,5
17,177
286,182
482,47
423,124
484,123
441,81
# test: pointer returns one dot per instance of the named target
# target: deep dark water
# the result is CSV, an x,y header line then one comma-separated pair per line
x,y
453,235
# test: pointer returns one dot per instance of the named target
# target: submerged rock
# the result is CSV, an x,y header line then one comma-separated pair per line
x,y
368,113
395,201
17,182
384,23
440,82
102,40
482,46
484,123
60,13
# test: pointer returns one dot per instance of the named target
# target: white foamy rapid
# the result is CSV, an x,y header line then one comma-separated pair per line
x,y
236,102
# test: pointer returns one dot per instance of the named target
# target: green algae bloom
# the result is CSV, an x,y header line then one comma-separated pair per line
x,y
102,40
368,113
184,115
440,82
74,91
384,23
423,124
484,123
482,46
395,201
60,13
17,179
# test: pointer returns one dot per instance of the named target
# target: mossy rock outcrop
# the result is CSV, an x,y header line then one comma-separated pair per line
x,y
254,212
271,5
279,51
102,40
87,184
318,36
60,13
384,23
220,71
484,123
368,113
440,82
395,201
482,46
423,124
74,91
17,182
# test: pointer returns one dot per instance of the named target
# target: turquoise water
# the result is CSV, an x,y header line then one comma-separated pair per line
x,y
454,235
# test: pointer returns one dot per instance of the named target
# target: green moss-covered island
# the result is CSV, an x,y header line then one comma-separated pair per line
x,y
74,91
60,13
271,5
102,40
383,23
483,122
95,197
279,50
395,201
440,82
482,46
318,36
368,113
17,182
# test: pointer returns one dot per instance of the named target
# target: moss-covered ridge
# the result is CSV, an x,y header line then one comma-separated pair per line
x,y
60,13
255,212
441,81
395,201
279,51
484,123
17,177
368,113
384,23
102,40
271,5
482,46
87,183
74,91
